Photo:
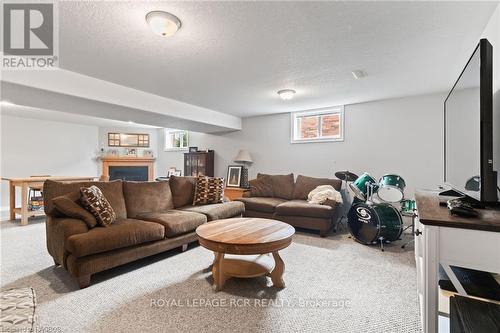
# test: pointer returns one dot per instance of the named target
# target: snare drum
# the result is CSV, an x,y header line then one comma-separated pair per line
x,y
392,188
360,186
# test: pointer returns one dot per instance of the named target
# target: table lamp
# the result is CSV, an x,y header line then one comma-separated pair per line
x,y
244,157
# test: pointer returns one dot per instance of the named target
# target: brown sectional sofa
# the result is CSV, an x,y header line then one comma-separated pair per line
x,y
152,217
282,198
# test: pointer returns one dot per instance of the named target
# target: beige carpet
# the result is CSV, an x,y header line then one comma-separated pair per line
x,y
333,285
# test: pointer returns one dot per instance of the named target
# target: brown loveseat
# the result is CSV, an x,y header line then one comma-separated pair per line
x,y
152,217
280,197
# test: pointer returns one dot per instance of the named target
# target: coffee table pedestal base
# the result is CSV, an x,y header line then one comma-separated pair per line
x,y
247,266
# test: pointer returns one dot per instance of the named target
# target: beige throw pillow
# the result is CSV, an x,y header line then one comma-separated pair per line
x,y
95,202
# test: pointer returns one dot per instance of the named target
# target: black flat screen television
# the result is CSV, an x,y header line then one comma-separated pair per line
x,y
468,129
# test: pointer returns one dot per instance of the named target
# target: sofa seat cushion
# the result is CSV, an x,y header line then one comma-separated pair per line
x,y
218,211
303,208
261,204
176,222
122,233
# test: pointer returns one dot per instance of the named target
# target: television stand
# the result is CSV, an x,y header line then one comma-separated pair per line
x,y
448,240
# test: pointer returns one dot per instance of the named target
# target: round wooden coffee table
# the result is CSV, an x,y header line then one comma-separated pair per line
x,y
251,239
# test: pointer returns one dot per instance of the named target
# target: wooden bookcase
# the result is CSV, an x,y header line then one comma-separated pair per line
x,y
199,163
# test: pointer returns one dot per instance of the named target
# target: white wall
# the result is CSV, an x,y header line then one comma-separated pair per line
x,y
403,136
492,32
153,140
38,147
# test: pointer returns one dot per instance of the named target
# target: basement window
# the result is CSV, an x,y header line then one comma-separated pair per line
x,y
318,125
175,139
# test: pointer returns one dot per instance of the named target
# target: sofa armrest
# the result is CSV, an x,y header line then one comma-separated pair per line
x,y
331,203
336,211
58,230
246,194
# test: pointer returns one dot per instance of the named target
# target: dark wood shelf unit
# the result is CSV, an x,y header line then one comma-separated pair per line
x,y
199,164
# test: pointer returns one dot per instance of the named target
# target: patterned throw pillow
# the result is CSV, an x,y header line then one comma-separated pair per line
x,y
208,190
95,202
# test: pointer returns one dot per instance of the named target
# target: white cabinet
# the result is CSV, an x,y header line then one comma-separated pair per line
x,y
434,246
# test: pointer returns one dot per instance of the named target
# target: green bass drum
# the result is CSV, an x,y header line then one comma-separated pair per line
x,y
364,221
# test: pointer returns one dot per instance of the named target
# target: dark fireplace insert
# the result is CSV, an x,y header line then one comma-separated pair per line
x,y
134,173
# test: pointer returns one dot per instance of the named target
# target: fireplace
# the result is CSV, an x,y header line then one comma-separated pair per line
x,y
135,173
128,168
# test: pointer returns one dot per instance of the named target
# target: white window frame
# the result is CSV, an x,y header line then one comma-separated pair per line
x,y
166,134
294,130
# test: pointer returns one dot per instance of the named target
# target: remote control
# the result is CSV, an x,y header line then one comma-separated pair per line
x,y
461,208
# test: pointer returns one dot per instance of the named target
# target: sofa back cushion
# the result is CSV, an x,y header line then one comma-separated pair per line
x,y
304,185
113,191
282,185
182,190
261,187
70,205
147,197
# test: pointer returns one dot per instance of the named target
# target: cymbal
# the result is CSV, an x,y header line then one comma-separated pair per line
x,y
346,175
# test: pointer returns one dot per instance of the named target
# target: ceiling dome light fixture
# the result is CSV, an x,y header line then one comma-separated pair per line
x,y
163,23
286,94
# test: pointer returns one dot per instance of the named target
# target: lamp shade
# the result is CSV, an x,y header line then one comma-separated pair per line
x,y
243,156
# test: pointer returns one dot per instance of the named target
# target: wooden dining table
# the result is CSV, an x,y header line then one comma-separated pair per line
x,y
35,182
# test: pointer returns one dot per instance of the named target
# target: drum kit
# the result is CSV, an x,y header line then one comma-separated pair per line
x,y
373,221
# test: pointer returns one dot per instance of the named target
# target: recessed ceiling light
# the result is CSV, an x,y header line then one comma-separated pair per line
x,y
286,94
358,74
131,122
7,103
163,23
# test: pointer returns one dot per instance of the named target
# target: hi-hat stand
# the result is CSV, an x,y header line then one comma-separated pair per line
x,y
346,176
344,205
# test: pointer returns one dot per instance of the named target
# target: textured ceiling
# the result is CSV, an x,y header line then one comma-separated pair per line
x,y
233,56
